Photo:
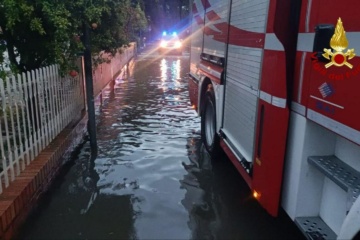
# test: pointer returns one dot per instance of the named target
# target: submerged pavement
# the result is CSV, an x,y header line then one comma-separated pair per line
x,y
152,178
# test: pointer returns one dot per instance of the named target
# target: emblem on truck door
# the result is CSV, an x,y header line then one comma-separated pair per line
x,y
339,43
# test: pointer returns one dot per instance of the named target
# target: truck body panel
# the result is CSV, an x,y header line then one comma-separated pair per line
x,y
286,78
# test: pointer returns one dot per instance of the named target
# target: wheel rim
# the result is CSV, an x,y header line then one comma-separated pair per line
x,y
209,123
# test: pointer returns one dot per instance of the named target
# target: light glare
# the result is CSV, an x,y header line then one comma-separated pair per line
x,y
163,43
178,44
256,195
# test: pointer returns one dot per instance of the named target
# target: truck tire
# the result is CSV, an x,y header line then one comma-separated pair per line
x,y
209,136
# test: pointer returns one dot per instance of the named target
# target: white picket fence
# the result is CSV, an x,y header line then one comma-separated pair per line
x,y
34,108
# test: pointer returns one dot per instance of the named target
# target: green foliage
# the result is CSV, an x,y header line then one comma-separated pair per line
x,y
37,33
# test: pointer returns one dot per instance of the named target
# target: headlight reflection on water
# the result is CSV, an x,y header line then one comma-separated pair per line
x,y
176,70
163,69
170,74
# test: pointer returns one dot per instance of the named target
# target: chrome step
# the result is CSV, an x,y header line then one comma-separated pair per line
x,y
315,228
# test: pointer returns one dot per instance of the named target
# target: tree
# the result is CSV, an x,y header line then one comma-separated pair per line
x,y
37,33
167,14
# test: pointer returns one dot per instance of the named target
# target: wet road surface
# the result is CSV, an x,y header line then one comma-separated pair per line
x,y
152,178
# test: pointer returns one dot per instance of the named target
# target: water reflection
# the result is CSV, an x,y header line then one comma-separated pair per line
x,y
74,209
152,178
220,205
145,131
163,69
203,220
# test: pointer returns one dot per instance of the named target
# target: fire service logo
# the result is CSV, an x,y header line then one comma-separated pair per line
x,y
337,56
339,43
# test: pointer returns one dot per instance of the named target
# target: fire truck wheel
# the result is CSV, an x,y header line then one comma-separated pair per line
x,y
208,124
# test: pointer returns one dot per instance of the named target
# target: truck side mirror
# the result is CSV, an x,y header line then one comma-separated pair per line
x,y
323,34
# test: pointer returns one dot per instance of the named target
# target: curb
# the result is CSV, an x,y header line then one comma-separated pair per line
x,y
17,201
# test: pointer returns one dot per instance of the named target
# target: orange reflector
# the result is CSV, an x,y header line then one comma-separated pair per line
x,y
256,194
193,106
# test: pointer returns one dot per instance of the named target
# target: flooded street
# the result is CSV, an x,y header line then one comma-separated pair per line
x,y
152,178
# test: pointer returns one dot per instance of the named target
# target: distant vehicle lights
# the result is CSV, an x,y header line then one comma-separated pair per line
x,y
165,33
163,44
170,43
178,44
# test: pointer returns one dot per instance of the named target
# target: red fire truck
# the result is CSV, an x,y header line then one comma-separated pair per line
x,y
277,86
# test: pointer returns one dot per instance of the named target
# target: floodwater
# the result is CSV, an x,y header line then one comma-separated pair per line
x,y
152,178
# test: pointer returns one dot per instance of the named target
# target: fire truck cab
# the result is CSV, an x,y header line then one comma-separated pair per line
x,y
276,83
